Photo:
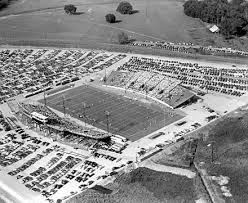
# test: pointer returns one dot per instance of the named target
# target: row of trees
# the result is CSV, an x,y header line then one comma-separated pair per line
x,y
231,17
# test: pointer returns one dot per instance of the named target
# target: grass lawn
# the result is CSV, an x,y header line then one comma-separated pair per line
x,y
144,186
156,20
230,147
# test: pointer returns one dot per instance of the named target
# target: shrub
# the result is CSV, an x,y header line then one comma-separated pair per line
x,y
70,9
123,38
110,18
124,8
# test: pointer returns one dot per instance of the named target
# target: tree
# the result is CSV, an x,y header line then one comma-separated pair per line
x,y
3,3
70,9
231,17
123,38
124,8
110,18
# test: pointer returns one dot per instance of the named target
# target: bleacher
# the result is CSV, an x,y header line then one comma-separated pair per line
x,y
166,89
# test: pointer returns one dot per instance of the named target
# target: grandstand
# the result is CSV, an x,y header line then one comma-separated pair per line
x,y
166,89
43,115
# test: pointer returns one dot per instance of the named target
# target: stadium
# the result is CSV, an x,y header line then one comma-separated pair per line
x,y
113,101
91,113
115,113
129,104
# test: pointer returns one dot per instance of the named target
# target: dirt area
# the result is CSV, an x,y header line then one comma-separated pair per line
x,y
145,185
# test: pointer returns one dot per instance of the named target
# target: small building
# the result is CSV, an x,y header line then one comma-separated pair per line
x,y
214,29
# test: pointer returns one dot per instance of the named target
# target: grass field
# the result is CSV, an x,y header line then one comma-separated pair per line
x,y
132,119
144,186
156,20
230,151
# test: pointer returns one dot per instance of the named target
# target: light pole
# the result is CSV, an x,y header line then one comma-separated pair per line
x,y
64,104
84,108
45,102
105,77
212,150
107,114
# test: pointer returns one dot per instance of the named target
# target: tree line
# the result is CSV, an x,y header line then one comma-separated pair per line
x,y
231,17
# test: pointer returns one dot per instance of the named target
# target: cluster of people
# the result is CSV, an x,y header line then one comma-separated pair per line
x,y
232,81
190,48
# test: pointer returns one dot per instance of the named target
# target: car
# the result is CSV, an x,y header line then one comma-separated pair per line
x,y
29,186
36,189
79,179
19,177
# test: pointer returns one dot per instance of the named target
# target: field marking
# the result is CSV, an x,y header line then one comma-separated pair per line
x,y
99,109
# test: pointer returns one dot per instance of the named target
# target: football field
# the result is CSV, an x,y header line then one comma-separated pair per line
x,y
109,111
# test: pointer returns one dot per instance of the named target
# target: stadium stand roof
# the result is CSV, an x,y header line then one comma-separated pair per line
x,y
173,95
177,100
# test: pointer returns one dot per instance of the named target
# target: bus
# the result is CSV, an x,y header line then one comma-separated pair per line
x,y
39,117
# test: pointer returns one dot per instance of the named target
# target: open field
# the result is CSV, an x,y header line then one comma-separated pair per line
x,y
156,20
40,23
129,118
